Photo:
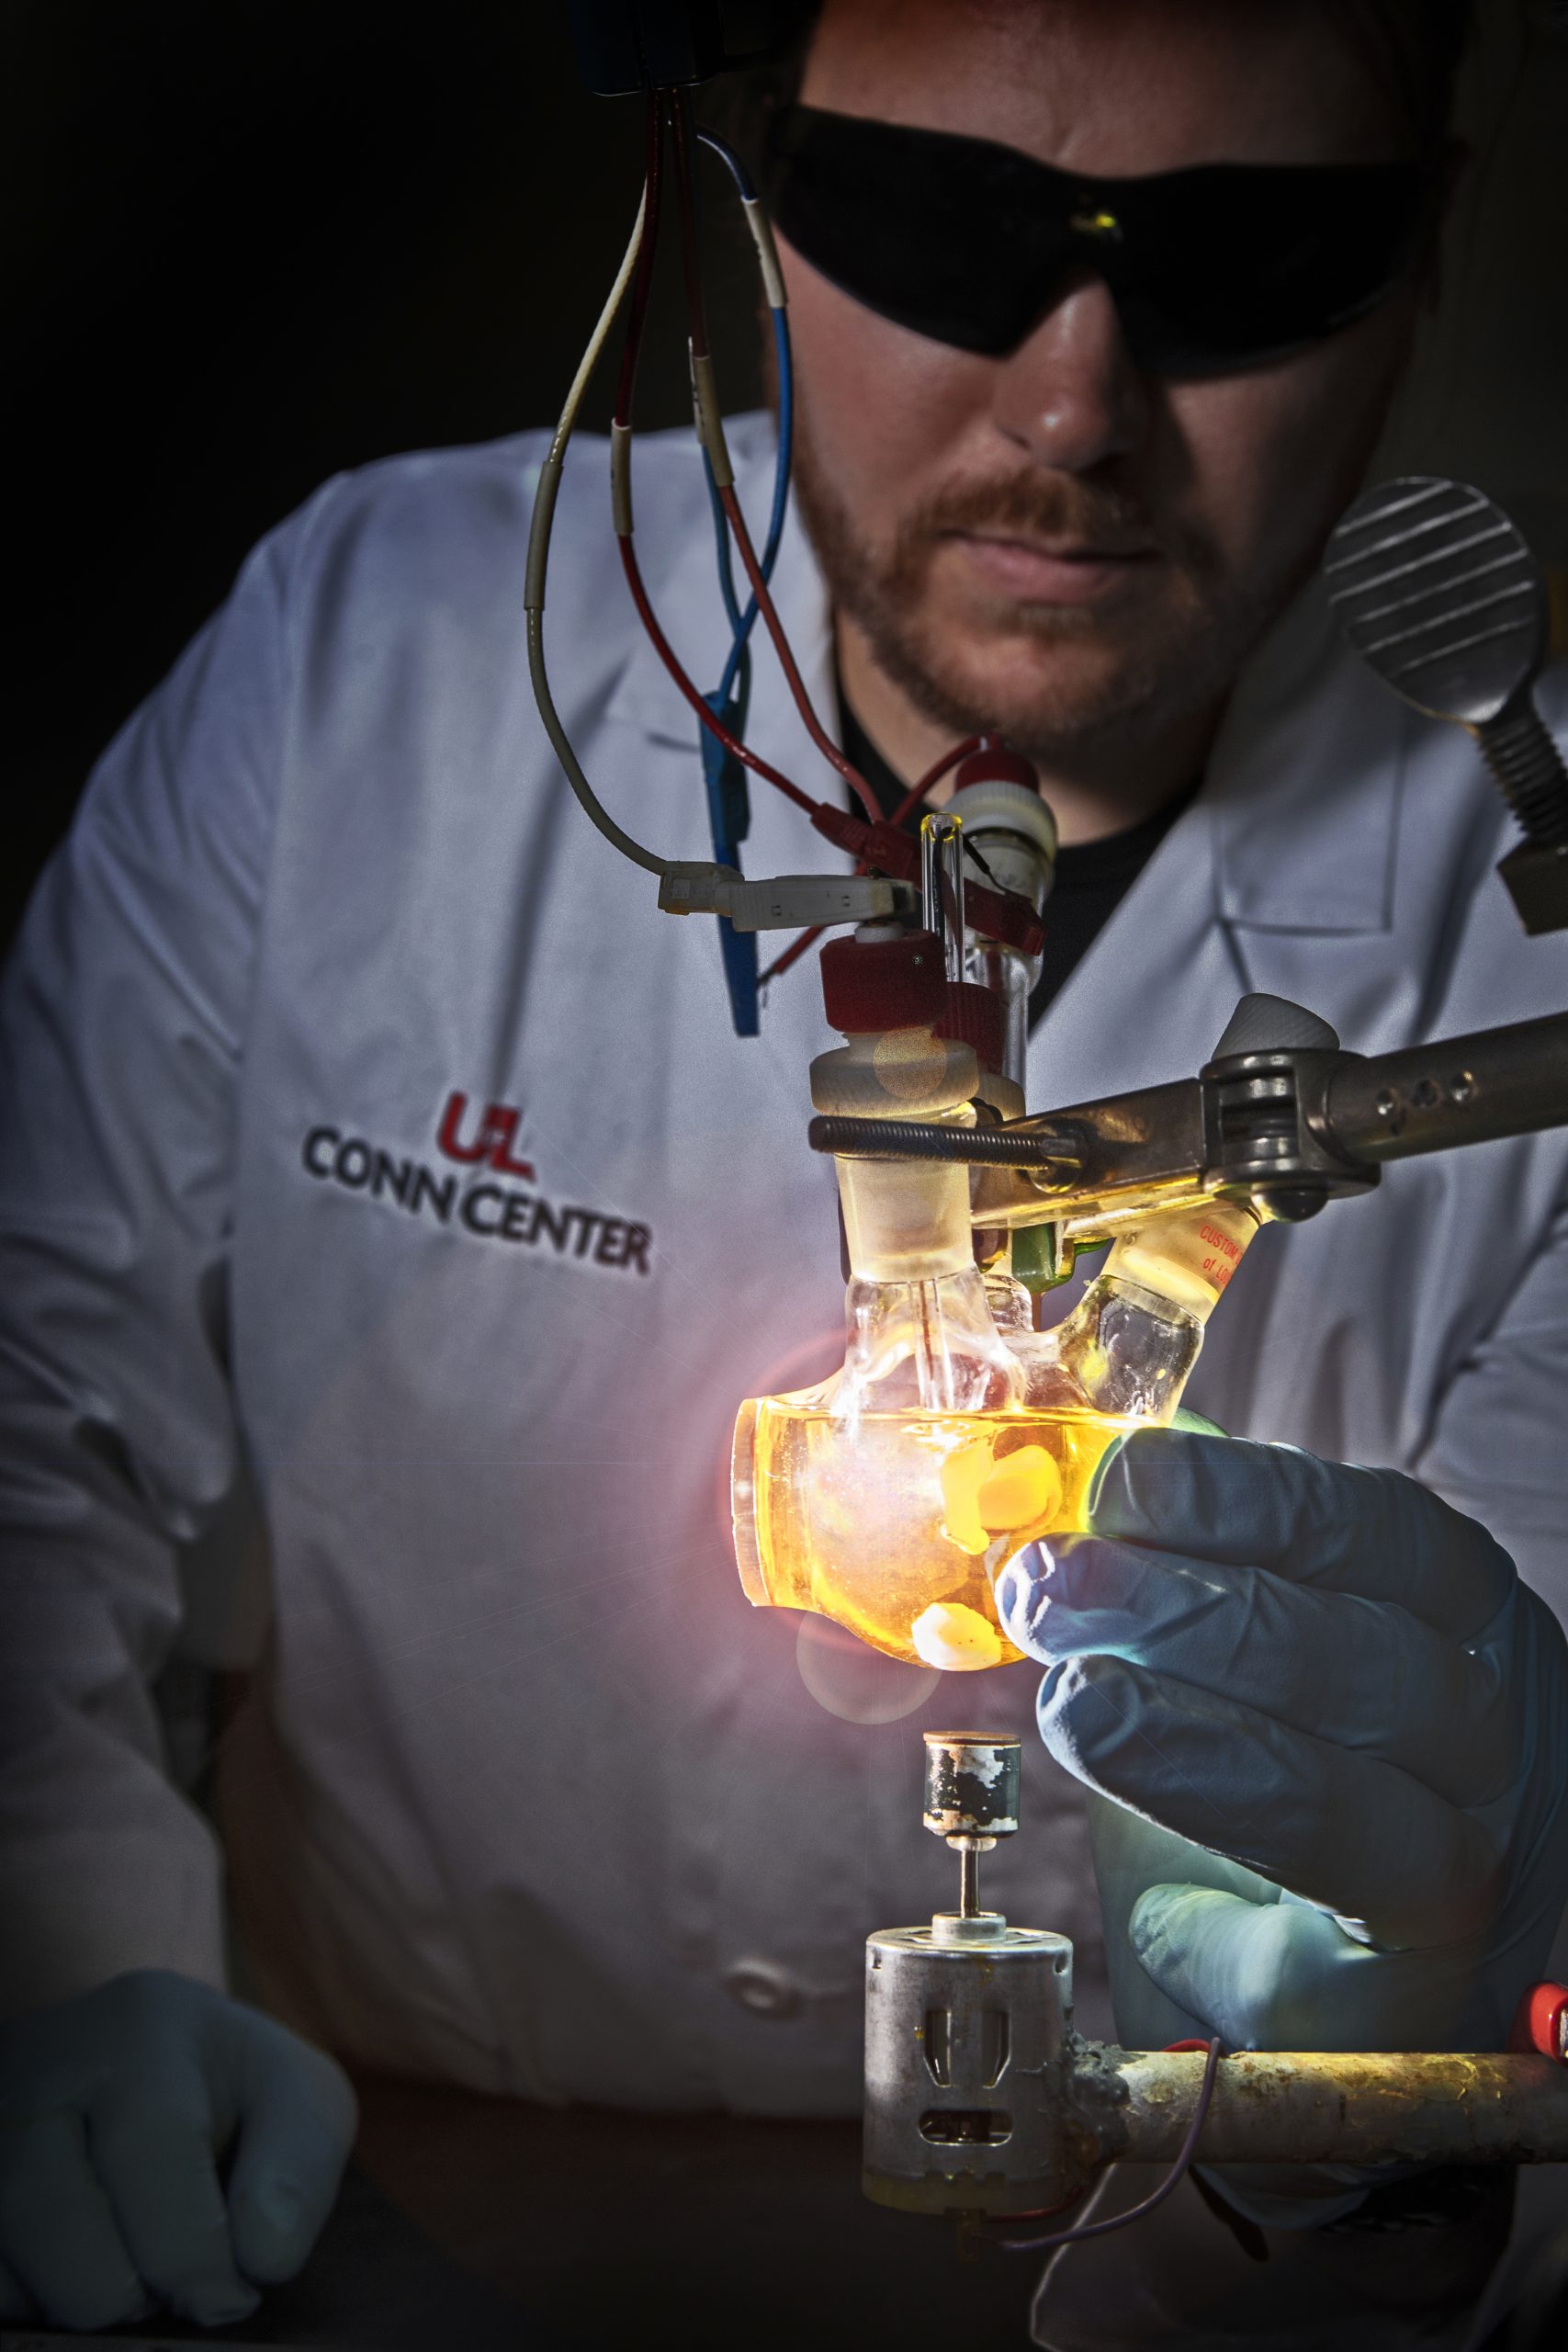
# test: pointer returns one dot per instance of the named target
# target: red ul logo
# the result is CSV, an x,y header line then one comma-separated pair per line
x,y
493,1145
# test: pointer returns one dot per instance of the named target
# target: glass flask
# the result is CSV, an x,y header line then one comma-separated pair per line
x,y
890,1495
1130,1344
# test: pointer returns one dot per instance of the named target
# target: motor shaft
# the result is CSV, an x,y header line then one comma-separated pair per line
x,y
971,1800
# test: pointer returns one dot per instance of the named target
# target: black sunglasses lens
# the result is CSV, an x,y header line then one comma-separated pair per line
x,y
934,233
968,242
1232,264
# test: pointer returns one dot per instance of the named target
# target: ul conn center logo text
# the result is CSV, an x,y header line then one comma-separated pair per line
x,y
491,1211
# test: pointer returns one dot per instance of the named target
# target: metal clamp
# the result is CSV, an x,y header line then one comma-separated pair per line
x,y
1289,1130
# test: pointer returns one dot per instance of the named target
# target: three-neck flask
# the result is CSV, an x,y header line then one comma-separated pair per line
x,y
890,1495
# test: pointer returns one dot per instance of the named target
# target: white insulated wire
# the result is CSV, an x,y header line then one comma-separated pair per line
x,y
538,559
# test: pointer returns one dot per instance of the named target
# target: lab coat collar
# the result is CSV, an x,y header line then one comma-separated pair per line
x,y
1304,783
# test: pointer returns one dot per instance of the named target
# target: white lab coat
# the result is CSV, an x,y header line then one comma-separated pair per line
x,y
535,1802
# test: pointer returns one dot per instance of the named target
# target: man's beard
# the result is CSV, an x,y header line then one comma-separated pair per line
x,y
1077,682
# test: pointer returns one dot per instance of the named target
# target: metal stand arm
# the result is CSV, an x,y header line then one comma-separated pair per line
x,y
1313,2106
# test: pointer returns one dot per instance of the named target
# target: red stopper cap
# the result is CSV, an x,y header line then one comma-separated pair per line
x,y
976,1017
1539,2022
870,984
996,764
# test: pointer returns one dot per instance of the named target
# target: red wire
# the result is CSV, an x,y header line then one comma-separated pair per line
x,y
704,710
792,954
686,208
815,729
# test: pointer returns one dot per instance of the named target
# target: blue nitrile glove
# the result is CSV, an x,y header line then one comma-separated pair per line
x,y
1332,1727
117,2109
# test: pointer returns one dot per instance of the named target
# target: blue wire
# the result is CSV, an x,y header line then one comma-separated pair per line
x,y
721,537
742,623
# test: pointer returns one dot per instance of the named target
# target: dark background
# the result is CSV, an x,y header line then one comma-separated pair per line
x,y
252,241
255,241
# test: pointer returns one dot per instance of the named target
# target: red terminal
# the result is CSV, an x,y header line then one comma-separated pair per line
x,y
976,1017
1540,2022
993,763
870,984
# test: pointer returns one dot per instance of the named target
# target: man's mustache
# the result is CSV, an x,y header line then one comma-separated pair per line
x,y
1061,512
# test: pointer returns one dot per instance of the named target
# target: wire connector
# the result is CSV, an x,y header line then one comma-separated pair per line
x,y
784,900
707,418
761,230
621,480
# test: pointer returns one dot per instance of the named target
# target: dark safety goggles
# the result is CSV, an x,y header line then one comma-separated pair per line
x,y
1219,266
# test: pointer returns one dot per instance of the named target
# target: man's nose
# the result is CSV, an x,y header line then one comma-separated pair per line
x,y
1070,394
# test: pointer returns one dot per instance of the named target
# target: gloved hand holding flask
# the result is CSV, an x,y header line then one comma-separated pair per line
x,y
1326,1731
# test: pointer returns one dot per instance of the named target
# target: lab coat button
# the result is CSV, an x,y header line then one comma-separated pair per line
x,y
764,1987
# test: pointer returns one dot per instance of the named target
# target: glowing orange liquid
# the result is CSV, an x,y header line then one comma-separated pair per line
x,y
896,1524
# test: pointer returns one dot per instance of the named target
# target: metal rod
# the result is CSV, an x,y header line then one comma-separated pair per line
x,y
851,1138
968,1882
1338,2106
1494,1082
1509,1081
942,886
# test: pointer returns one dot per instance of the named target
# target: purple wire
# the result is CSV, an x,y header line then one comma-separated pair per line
x,y
1155,2197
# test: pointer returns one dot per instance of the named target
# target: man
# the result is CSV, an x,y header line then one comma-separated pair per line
x,y
379,1136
